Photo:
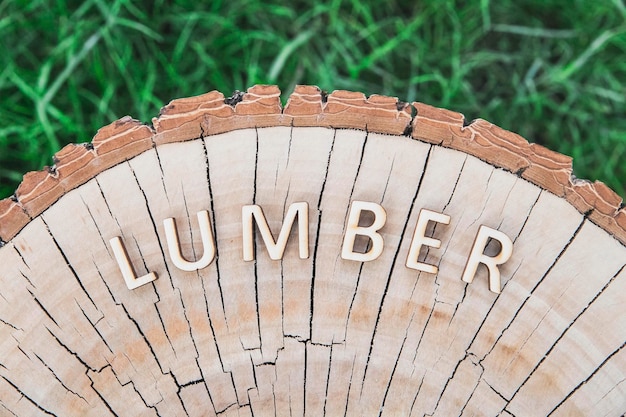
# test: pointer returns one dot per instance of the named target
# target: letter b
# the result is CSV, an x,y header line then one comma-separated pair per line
x,y
353,229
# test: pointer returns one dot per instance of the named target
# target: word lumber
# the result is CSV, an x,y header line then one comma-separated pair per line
x,y
252,214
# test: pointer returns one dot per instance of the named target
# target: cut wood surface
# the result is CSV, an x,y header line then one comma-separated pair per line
x,y
324,335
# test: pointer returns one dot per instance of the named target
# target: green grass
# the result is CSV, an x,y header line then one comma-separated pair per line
x,y
553,71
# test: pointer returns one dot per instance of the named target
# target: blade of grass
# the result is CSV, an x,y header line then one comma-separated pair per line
x,y
286,51
595,46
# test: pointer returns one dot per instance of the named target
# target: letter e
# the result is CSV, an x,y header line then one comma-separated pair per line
x,y
419,239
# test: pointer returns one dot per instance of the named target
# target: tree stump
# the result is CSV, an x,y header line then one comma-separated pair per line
x,y
336,257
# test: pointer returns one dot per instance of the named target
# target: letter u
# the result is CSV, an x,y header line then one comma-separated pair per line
x,y
173,243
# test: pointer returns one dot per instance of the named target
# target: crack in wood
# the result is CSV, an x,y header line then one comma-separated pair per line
x,y
393,262
97,226
156,233
6,323
393,371
347,401
69,265
564,332
468,356
106,203
4,407
158,158
330,363
317,236
30,400
68,389
537,284
94,325
134,387
72,353
45,311
530,212
254,239
417,392
215,236
145,339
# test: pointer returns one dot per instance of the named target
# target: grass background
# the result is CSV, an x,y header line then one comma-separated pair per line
x,y
553,71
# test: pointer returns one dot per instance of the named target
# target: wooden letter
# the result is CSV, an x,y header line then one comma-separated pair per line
x,y
173,243
353,229
477,256
121,256
419,239
275,249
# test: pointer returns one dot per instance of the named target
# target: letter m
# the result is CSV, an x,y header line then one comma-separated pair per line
x,y
276,249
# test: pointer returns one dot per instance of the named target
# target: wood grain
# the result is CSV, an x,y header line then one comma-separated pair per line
x,y
323,335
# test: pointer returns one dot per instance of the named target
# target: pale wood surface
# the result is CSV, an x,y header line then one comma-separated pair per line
x,y
323,335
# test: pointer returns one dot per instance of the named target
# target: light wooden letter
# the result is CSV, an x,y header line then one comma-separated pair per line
x,y
477,256
353,229
275,249
121,256
419,239
173,243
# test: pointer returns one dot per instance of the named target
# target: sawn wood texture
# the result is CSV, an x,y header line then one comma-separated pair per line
x,y
316,336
